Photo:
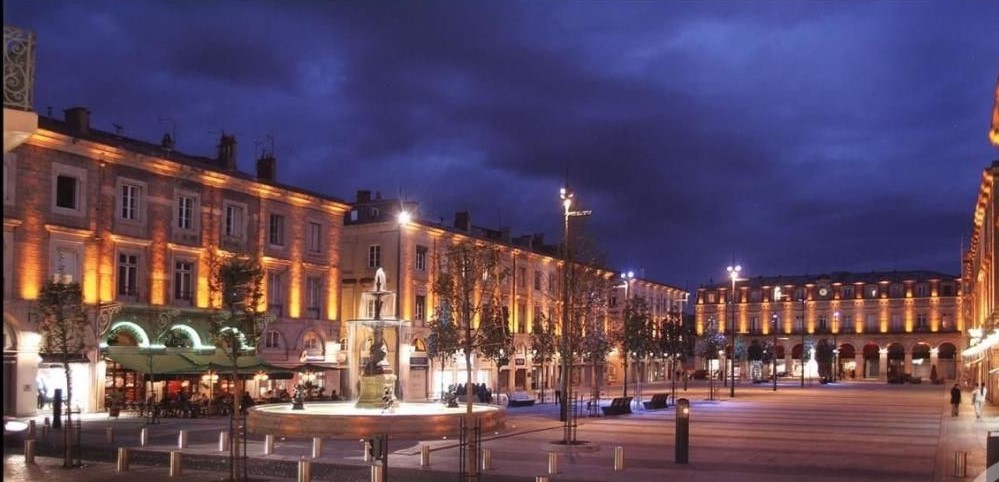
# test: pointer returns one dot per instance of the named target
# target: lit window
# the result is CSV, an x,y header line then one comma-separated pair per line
x,y
374,256
421,308
421,258
848,292
315,239
275,293
522,277
921,321
185,212
276,237
131,196
272,339
311,342
921,289
233,222
537,281
183,280
128,274
313,295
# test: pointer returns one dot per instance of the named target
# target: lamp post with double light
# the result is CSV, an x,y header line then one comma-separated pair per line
x,y
403,218
733,273
803,349
835,368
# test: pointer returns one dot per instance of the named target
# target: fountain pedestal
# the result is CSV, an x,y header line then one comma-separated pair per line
x,y
373,389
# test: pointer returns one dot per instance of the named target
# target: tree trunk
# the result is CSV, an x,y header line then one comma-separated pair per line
x,y
625,377
67,432
472,452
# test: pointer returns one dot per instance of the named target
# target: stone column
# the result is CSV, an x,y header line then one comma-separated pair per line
x,y
907,366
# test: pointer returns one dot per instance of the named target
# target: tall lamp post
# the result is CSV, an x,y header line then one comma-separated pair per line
x,y
835,368
733,272
711,372
404,218
627,277
565,414
803,339
775,321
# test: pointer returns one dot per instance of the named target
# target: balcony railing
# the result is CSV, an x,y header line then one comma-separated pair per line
x,y
18,68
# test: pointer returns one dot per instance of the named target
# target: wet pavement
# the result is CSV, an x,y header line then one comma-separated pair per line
x,y
846,431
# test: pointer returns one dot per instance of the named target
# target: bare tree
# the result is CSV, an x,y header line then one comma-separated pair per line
x,y
544,344
64,328
636,338
236,286
444,341
470,278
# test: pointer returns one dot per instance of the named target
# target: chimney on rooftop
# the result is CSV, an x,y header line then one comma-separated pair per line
x,y
167,142
363,196
78,119
462,221
227,152
267,168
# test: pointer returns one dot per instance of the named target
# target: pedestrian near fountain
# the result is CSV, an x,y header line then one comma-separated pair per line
x,y
955,399
978,400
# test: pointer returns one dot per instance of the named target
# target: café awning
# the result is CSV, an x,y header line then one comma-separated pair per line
x,y
156,363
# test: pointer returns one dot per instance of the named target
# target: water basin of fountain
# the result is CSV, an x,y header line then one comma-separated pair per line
x,y
343,419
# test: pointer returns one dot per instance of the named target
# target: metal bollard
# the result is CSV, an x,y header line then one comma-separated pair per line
x,y
109,435
304,470
31,429
367,450
425,455
45,432
552,463
317,447
268,444
223,440
487,459
46,423
541,478
143,437
960,464
175,463
377,473
619,458
29,451
122,459
182,439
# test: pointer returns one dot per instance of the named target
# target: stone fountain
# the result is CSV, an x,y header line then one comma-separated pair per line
x,y
375,344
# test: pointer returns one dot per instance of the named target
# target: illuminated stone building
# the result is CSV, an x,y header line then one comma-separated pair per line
x,y
374,237
981,275
134,224
884,325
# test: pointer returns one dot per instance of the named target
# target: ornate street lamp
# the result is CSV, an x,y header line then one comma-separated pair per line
x,y
733,272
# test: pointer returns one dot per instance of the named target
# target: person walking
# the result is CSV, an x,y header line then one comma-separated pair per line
x,y
978,400
955,399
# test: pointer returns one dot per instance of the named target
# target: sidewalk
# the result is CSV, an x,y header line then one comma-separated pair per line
x,y
857,432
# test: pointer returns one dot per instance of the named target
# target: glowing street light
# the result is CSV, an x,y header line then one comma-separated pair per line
x,y
733,273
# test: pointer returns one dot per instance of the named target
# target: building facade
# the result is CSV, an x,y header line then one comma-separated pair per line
x,y
374,237
981,275
135,224
880,325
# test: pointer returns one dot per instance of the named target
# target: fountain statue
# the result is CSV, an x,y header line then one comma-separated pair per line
x,y
377,381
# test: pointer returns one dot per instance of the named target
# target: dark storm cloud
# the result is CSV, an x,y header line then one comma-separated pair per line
x,y
795,137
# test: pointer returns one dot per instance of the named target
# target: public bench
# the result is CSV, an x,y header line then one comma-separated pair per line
x,y
520,399
659,400
618,406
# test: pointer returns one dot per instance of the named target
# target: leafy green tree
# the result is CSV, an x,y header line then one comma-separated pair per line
x,y
236,286
470,278
671,342
64,327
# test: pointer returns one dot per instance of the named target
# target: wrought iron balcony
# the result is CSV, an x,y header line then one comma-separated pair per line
x,y
18,68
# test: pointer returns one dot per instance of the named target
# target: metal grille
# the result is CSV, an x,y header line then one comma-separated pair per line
x,y
18,68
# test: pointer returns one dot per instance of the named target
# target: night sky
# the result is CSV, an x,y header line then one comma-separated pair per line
x,y
794,137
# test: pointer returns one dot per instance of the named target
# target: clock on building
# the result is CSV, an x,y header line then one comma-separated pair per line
x,y
823,291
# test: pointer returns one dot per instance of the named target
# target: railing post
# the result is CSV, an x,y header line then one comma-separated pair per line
x,y
143,436
175,457
268,444
619,458
29,451
552,463
304,470
317,447
223,440
487,459
182,439
425,455
122,459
